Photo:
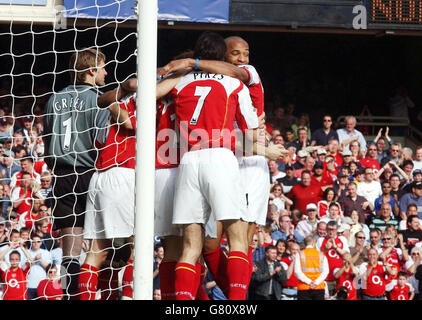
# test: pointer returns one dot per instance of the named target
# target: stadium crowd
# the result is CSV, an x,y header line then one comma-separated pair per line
x,y
356,200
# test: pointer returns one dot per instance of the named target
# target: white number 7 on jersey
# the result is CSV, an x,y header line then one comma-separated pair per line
x,y
202,93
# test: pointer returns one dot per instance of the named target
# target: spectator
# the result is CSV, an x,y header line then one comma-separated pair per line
x,y
321,155
289,136
309,225
258,252
359,251
417,162
308,165
4,132
321,230
21,196
300,158
352,201
371,159
386,197
50,288
340,185
380,144
384,219
354,152
327,198
356,227
3,231
346,276
46,185
289,180
287,231
269,277
15,277
395,186
413,197
281,247
41,259
333,246
302,140
334,151
323,181
27,165
333,214
274,172
273,216
402,290
413,234
393,155
373,273
302,122
15,243
289,291
278,198
305,193
8,168
349,133
321,136
264,236
310,269
369,188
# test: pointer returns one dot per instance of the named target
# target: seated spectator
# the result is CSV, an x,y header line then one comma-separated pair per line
x,y
403,290
333,150
395,186
321,230
340,185
384,219
281,247
417,162
286,231
289,136
273,215
321,155
265,236
349,133
304,193
354,152
302,122
333,214
46,184
27,165
309,225
41,259
50,288
321,136
4,132
8,167
23,194
15,243
307,166
300,159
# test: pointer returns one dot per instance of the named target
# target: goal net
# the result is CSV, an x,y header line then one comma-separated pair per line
x,y
38,40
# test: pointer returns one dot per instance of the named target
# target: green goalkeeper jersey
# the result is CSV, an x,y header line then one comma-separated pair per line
x,y
72,123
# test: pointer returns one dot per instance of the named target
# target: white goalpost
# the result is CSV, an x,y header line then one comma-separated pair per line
x,y
145,148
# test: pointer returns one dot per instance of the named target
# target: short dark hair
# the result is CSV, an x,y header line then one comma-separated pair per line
x,y
269,247
332,224
210,46
15,252
411,217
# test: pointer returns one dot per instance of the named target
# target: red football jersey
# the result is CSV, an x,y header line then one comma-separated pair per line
x,y
16,179
15,283
50,290
400,293
305,195
119,148
26,204
256,90
127,280
334,260
207,105
40,166
166,142
370,163
292,281
375,284
347,279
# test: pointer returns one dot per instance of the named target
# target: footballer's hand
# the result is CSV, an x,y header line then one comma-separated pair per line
x,y
261,121
176,65
275,152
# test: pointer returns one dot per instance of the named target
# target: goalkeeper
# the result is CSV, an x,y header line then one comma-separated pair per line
x,y
72,123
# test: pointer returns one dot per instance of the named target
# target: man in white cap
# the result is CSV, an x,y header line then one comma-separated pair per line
x,y
308,226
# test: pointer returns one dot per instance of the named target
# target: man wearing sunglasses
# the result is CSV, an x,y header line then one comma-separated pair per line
x,y
321,136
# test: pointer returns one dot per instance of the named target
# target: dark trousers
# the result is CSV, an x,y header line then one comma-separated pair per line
x,y
310,295
268,297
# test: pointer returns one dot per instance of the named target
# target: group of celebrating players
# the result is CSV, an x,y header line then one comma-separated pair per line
x,y
211,167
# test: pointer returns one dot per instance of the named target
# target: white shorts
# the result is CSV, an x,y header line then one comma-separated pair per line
x,y
255,178
255,183
165,180
110,207
208,180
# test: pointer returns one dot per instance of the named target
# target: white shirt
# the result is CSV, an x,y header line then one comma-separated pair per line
x,y
343,134
37,271
341,238
7,260
370,191
302,277
280,203
277,176
304,227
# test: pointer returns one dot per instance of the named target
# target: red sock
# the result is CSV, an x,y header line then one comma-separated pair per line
x,y
201,294
238,275
108,284
185,281
88,282
127,281
216,262
167,280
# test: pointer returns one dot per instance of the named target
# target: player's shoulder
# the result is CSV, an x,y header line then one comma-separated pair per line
x,y
198,76
253,74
